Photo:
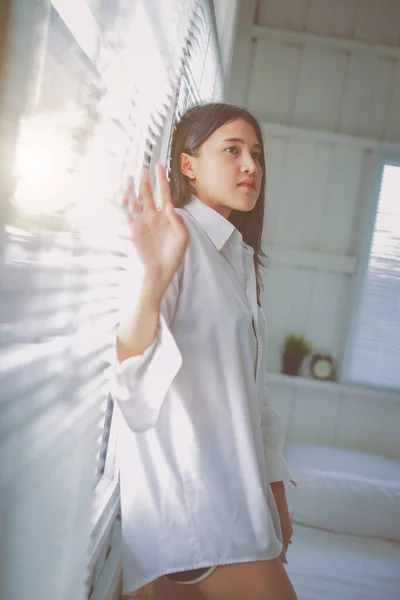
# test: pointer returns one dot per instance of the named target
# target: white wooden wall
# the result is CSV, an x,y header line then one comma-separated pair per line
x,y
337,415
373,21
323,76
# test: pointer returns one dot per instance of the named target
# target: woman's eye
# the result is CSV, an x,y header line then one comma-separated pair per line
x,y
257,156
232,150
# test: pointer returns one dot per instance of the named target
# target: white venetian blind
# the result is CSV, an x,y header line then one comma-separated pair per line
x,y
374,356
86,96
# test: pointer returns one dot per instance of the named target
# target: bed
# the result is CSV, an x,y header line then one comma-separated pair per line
x,y
346,521
334,566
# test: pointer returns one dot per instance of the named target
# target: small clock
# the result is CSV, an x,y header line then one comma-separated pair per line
x,y
322,367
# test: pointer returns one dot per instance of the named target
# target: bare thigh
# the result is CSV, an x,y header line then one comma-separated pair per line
x,y
165,589
260,580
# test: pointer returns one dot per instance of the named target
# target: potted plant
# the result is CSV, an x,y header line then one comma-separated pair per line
x,y
295,349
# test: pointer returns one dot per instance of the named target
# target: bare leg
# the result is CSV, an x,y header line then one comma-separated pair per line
x,y
165,589
260,580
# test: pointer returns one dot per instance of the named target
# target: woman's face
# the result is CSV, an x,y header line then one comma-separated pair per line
x,y
227,173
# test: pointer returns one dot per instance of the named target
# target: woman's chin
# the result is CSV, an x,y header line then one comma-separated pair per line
x,y
246,198
246,204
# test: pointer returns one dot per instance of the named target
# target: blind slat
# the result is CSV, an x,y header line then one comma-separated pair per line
x,y
98,116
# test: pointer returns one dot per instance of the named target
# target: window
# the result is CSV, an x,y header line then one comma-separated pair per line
x,y
374,348
90,91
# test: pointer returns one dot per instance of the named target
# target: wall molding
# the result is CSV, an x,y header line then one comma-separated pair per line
x,y
298,258
264,33
328,137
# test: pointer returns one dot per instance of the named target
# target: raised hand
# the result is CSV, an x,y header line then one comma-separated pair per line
x,y
159,235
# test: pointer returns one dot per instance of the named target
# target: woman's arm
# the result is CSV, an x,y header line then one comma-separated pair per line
x,y
147,357
278,490
138,326
160,240
147,362
273,434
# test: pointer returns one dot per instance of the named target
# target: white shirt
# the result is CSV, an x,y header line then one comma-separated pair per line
x,y
198,443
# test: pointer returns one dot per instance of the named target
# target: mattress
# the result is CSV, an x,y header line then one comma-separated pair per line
x,y
332,566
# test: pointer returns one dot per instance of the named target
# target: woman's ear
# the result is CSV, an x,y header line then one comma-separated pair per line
x,y
187,167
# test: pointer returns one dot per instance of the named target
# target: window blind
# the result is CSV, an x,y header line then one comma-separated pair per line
x,y
374,353
85,103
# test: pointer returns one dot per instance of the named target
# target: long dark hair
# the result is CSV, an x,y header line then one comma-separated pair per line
x,y
195,127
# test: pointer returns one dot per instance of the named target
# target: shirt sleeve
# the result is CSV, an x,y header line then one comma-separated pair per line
x,y
139,384
273,434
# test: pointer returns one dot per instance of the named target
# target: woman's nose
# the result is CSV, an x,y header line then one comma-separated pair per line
x,y
249,165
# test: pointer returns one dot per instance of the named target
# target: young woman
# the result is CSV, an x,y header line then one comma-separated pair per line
x,y
203,505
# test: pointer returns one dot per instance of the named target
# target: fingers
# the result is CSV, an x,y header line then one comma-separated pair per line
x,y
131,203
137,207
146,194
130,194
165,190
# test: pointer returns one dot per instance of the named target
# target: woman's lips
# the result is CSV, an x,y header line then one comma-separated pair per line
x,y
248,186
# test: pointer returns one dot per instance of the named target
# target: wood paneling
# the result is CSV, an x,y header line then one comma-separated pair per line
x,y
319,88
367,95
392,126
305,302
272,85
378,21
336,18
285,14
373,21
326,106
312,190
338,415
327,88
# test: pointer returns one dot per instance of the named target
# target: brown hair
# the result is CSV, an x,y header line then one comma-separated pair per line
x,y
195,127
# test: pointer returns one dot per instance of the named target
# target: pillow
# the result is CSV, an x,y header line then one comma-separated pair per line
x,y
345,491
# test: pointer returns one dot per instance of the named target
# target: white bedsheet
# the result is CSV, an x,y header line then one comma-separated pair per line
x,y
329,566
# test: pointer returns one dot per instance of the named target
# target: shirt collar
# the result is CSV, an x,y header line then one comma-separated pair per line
x,y
218,229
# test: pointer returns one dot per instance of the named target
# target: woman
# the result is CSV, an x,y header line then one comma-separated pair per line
x,y
202,472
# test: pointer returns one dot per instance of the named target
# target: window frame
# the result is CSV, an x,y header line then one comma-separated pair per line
x,y
388,155
106,496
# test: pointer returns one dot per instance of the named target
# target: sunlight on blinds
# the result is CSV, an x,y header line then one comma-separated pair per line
x,y
375,353
89,90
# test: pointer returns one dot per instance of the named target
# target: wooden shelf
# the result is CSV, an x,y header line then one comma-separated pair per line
x,y
334,386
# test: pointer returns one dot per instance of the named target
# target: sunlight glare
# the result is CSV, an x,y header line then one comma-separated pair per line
x,y
43,156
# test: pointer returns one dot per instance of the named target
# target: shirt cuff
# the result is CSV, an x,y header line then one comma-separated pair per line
x,y
277,467
133,363
140,383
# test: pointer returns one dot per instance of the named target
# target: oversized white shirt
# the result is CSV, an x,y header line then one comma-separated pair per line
x,y
198,442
